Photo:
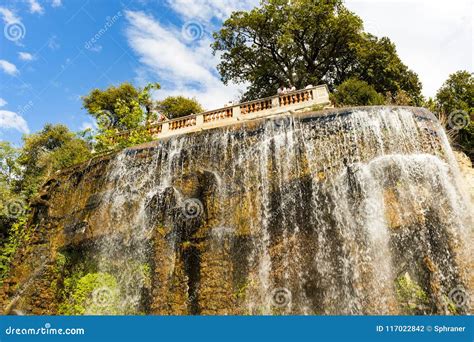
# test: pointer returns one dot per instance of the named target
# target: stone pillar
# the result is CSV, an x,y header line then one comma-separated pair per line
x,y
165,128
275,101
236,112
320,94
199,120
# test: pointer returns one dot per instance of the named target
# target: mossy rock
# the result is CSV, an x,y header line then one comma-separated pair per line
x,y
93,294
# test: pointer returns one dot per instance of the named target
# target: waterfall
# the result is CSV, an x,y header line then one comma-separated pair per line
x,y
357,211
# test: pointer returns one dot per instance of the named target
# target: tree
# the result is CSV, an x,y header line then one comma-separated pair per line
x,y
9,173
9,167
306,42
178,106
356,93
118,109
457,93
122,108
455,102
379,65
51,149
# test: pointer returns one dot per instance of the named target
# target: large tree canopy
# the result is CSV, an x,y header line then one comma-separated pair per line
x,y
307,42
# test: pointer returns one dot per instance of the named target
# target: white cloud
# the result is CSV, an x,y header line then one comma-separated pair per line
x,y
88,125
8,16
11,120
56,3
25,56
8,67
181,67
2,102
206,10
35,7
433,38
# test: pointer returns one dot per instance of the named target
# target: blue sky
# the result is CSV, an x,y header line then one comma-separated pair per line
x,y
54,51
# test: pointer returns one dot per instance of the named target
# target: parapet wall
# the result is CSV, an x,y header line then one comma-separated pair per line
x,y
291,101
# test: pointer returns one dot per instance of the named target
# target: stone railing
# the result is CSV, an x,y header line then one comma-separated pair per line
x,y
274,105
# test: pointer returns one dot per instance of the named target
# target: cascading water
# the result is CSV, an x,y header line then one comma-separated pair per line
x,y
352,212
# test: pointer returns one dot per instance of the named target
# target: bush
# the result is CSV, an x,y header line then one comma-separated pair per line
x,y
178,106
93,294
412,298
354,92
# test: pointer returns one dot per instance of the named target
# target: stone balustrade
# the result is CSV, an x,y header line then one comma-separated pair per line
x,y
274,105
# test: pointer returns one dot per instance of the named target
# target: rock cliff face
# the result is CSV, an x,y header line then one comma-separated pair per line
x,y
354,211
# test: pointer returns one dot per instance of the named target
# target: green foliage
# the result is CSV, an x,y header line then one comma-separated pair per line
x,y
457,93
307,42
45,152
9,173
9,167
379,65
356,93
178,106
99,101
455,103
18,235
412,298
120,109
93,293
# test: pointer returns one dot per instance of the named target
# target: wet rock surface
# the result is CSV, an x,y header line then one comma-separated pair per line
x,y
354,211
